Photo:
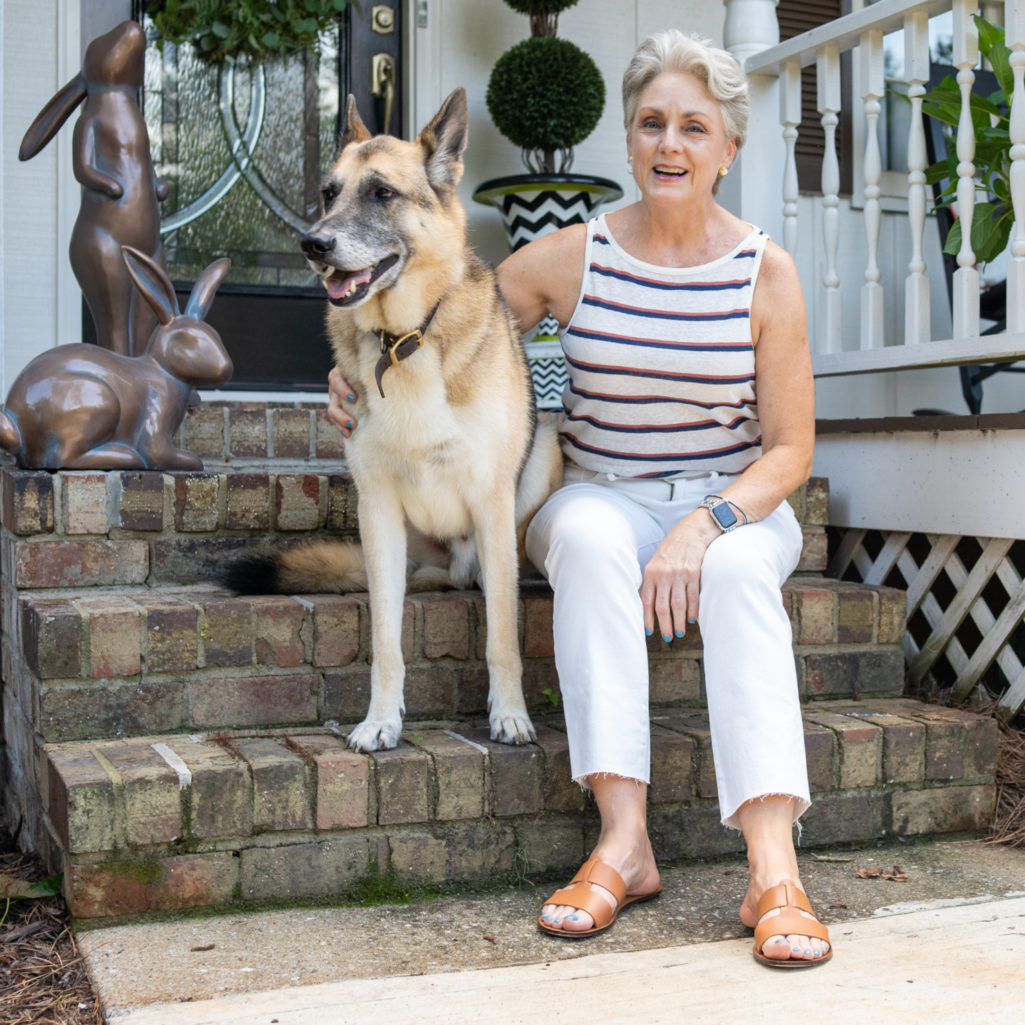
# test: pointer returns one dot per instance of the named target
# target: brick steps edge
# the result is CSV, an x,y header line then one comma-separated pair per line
x,y
171,822
141,663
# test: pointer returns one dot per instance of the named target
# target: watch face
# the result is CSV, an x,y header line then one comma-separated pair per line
x,y
724,515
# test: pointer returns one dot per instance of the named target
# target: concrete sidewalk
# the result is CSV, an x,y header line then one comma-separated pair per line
x,y
948,945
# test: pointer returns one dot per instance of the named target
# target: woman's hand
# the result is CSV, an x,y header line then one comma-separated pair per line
x,y
672,578
341,403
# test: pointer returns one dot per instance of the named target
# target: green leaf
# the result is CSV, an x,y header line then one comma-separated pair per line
x,y
220,30
270,39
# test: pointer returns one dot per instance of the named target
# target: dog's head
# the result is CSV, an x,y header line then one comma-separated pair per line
x,y
385,199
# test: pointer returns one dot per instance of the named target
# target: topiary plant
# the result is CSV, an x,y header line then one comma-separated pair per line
x,y
545,94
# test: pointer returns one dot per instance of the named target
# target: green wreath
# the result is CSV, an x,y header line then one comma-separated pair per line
x,y
257,29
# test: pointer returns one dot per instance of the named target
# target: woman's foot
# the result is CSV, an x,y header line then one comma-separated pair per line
x,y
640,880
792,946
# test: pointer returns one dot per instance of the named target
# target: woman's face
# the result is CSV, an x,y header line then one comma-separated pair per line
x,y
677,141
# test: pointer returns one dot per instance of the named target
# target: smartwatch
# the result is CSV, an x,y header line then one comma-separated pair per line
x,y
725,518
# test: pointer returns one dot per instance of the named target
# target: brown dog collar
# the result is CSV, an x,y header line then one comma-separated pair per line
x,y
396,348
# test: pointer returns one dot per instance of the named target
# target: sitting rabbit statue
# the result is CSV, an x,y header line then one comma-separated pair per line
x,y
120,190
84,407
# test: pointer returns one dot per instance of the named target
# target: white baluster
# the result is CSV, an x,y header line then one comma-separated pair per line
x,y
871,52
1014,20
916,286
828,64
790,118
966,277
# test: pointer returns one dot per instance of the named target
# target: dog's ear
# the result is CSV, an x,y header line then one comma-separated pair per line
x,y
444,141
353,130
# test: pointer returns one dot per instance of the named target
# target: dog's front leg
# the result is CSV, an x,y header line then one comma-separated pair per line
x,y
495,531
383,534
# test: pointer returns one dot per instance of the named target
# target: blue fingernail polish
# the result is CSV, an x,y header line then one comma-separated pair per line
x,y
667,638
349,424
351,398
648,631
679,633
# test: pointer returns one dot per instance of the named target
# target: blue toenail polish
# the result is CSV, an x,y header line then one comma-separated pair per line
x,y
807,952
571,918
796,950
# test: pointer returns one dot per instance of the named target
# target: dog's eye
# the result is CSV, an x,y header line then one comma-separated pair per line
x,y
328,194
383,193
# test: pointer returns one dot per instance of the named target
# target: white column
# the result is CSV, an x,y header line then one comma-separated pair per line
x,y
828,65
871,54
966,277
916,286
751,190
750,27
1014,22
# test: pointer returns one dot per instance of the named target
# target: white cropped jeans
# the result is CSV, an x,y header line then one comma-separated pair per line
x,y
593,538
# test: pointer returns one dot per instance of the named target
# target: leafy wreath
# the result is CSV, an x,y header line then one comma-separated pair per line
x,y
257,29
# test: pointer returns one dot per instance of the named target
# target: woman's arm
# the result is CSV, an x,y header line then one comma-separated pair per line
x,y
786,411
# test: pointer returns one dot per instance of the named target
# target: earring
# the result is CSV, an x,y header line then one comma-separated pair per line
x,y
724,170
629,160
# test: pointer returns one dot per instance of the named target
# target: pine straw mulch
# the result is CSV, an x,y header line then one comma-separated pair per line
x,y
43,980
1009,820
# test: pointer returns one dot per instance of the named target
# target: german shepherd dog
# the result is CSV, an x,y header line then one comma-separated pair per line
x,y
448,449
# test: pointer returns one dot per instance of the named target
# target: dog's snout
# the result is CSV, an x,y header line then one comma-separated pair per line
x,y
316,247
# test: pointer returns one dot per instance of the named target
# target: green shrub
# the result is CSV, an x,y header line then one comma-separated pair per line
x,y
545,95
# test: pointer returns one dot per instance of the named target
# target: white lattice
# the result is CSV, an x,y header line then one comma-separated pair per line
x,y
964,620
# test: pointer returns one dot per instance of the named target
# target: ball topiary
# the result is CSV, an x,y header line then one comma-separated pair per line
x,y
545,95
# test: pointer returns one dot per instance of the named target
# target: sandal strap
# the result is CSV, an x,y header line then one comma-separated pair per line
x,y
579,893
790,900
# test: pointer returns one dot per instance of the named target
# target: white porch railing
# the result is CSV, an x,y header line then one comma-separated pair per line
x,y
775,76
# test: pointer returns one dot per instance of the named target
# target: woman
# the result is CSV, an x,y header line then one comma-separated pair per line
x,y
689,419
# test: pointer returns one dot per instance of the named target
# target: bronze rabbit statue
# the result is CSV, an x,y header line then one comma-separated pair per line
x,y
120,189
84,407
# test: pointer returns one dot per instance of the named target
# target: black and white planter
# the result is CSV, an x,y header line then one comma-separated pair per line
x,y
532,205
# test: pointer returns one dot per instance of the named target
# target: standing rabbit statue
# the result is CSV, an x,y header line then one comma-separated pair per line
x,y
120,189
83,407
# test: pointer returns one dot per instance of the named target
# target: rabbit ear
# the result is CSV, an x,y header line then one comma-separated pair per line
x,y
49,120
205,287
153,282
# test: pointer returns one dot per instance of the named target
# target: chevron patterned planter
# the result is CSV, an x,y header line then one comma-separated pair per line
x,y
533,205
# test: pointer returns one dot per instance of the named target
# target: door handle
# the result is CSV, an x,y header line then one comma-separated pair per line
x,y
382,84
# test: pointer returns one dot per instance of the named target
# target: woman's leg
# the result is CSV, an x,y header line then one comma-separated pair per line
x,y
586,538
754,708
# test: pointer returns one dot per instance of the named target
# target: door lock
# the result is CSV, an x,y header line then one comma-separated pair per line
x,y
382,19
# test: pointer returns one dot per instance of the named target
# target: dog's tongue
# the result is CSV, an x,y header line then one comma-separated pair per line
x,y
339,285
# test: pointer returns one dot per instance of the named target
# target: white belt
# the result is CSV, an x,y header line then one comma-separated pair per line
x,y
664,489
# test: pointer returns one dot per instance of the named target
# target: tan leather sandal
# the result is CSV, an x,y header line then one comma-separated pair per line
x,y
581,895
791,900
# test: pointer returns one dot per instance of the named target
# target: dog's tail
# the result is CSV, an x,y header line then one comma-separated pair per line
x,y
319,567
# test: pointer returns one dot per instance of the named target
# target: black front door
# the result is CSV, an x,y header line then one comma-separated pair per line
x,y
243,149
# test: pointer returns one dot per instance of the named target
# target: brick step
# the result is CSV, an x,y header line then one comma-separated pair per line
x,y
180,821
143,662
74,529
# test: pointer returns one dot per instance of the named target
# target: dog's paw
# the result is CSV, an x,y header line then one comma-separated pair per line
x,y
375,735
512,728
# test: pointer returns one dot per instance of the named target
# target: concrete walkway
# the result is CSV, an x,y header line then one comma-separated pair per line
x,y
947,945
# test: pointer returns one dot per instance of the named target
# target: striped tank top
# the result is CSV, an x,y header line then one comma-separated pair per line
x,y
661,363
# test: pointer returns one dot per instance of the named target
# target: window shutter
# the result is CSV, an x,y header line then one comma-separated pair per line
x,y
795,17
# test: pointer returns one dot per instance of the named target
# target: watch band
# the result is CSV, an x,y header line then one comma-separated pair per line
x,y
721,512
